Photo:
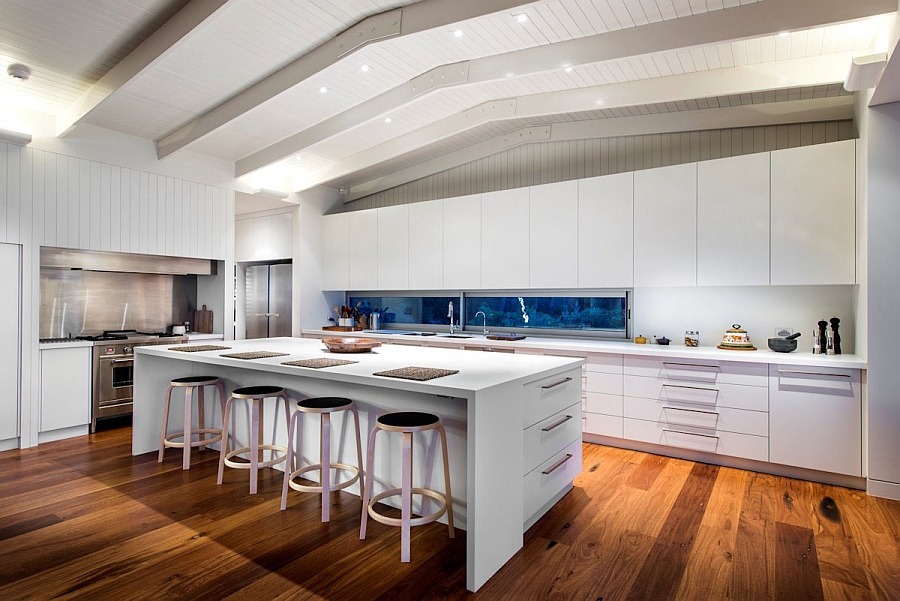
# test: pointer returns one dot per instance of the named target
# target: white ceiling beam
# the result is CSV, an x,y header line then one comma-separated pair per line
x,y
747,21
421,16
810,71
161,42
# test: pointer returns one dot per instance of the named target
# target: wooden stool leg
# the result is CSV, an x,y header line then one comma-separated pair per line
x,y
226,413
405,496
292,426
367,489
325,472
188,424
359,459
254,445
165,424
201,415
449,494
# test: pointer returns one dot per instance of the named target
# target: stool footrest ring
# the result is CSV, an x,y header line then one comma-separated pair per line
x,y
318,467
169,440
419,521
244,464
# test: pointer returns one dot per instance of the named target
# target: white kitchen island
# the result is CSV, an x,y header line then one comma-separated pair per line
x,y
513,424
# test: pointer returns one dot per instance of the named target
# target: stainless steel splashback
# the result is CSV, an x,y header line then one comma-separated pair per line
x,y
89,302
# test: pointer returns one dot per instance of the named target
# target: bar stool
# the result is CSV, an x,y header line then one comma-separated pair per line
x,y
324,406
257,395
407,422
190,384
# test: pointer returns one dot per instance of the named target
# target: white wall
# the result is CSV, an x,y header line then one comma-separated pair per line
x,y
78,201
759,309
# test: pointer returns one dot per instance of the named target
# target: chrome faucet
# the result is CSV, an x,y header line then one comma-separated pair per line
x,y
483,323
450,315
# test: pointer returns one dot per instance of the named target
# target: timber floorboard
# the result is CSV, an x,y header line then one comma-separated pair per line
x,y
83,519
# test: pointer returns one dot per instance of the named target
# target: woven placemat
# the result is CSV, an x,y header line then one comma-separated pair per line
x,y
420,374
319,363
254,355
199,348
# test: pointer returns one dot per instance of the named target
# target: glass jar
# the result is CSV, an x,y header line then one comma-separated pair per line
x,y
691,338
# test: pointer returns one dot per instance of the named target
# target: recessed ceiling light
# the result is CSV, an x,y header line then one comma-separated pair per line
x,y
322,90
364,68
522,18
458,33
784,34
568,69
18,72
510,74
387,119
599,102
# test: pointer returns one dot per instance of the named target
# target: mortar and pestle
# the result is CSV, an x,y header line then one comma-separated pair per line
x,y
784,345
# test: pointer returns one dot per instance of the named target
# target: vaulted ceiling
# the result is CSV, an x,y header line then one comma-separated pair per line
x,y
361,94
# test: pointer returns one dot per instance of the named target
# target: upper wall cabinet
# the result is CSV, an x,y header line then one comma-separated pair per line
x,y
426,240
263,238
665,225
733,221
504,239
554,235
393,248
462,242
814,214
336,256
363,250
606,231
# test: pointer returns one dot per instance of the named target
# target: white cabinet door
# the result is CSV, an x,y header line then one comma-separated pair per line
x,y
815,418
504,239
553,235
606,231
364,250
336,256
733,221
281,231
65,388
9,341
814,214
243,239
462,242
393,248
665,222
426,240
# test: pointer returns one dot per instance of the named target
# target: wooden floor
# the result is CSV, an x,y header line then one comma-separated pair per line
x,y
83,519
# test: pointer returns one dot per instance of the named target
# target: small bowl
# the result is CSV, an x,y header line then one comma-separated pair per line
x,y
350,345
782,345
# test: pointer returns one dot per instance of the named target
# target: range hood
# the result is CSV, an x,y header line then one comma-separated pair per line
x,y
89,260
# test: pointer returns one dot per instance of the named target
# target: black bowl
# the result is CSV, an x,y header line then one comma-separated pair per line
x,y
782,345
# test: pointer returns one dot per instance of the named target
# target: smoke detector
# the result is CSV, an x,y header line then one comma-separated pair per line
x,y
18,72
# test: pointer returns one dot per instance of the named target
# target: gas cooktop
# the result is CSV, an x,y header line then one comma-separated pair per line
x,y
129,335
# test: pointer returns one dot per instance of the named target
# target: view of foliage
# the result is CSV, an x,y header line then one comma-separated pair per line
x,y
430,310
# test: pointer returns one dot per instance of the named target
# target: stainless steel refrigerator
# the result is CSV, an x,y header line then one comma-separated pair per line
x,y
268,300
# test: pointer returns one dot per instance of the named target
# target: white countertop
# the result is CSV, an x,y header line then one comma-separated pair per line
x,y
477,371
68,344
580,345
199,336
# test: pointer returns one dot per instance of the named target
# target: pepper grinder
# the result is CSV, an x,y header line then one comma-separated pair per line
x,y
817,343
829,343
835,324
821,337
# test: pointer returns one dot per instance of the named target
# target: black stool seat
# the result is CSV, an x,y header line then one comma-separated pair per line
x,y
408,419
324,402
194,379
253,391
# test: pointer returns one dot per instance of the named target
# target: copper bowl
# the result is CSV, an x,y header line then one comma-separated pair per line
x,y
350,345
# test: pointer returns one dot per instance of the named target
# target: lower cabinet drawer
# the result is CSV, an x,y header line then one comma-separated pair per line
x,y
603,425
603,383
722,443
551,395
608,404
550,477
708,418
550,435
715,372
755,398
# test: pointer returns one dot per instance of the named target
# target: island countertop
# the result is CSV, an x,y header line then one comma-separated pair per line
x,y
477,371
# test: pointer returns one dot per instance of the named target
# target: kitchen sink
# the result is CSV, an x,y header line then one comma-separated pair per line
x,y
455,336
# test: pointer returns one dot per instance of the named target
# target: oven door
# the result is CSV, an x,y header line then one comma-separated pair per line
x,y
116,385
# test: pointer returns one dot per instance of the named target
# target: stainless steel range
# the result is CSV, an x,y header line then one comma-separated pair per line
x,y
112,385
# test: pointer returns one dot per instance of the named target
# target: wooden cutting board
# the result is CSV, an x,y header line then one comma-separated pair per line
x,y
203,321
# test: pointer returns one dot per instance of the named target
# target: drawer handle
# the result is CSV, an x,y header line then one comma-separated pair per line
x,y
811,373
668,431
716,390
557,465
716,367
557,424
692,410
555,384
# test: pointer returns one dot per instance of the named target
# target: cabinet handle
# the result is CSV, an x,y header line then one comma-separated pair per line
x,y
668,431
691,410
716,390
557,465
555,384
811,373
557,424
716,367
